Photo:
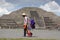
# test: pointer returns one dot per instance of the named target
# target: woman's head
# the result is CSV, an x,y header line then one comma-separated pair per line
x,y
23,14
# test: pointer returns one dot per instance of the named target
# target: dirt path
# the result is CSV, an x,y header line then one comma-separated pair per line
x,y
18,33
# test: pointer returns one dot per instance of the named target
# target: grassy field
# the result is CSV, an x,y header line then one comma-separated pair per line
x,y
24,39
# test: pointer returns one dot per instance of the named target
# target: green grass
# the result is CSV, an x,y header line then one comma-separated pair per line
x,y
24,39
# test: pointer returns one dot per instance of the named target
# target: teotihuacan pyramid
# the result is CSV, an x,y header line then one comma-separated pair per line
x,y
42,18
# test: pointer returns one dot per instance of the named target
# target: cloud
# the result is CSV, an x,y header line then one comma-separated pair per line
x,y
28,2
3,11
51,7
6,7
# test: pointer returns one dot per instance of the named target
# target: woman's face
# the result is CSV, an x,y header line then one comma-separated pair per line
x,y
24,15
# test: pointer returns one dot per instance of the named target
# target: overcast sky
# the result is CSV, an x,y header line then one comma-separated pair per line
x,y
7,6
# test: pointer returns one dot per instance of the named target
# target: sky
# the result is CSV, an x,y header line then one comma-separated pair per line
x,y
7,6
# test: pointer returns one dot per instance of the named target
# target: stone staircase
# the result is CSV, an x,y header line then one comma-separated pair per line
x,y
38,20
43,22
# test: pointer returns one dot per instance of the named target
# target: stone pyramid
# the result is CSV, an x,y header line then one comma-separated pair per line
x,y
42,18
